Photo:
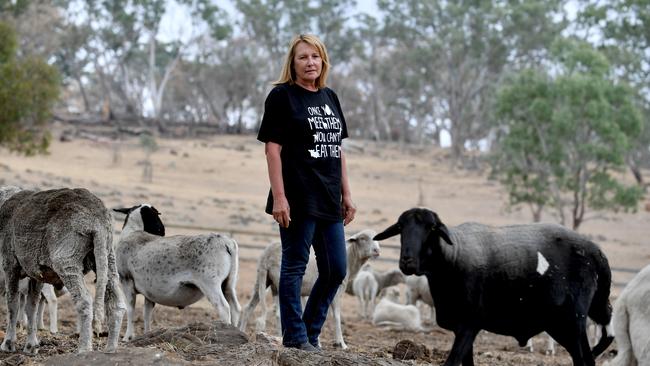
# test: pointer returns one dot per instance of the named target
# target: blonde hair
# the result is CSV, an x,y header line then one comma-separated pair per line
x,y
288,74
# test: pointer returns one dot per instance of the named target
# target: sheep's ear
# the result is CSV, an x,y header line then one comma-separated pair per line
x,y
390,231
122,210
443,232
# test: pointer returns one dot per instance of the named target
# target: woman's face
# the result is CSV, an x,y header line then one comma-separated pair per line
x,y
307,64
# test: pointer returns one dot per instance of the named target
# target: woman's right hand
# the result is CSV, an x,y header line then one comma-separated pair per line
x,y
281,213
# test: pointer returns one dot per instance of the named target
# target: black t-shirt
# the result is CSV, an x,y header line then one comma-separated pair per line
x,y
309,126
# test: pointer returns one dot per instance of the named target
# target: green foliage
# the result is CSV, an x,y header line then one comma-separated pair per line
x,y
148,143
28,91
8,42
565,134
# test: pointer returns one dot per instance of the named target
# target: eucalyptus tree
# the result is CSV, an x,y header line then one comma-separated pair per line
x,y
129,55
565,133
621,29
221,84
460,51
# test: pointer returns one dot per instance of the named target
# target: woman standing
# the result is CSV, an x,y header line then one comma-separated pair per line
x,y
310,198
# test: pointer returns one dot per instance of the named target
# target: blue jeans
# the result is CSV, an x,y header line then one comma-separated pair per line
x,y
328,241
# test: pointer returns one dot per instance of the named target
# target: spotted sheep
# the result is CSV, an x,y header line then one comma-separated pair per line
x,y
55,237
174,271
496,278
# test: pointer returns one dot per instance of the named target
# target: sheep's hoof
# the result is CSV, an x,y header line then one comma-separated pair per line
x,y
341,345
31,349
127,338
110,349
8,346
85,349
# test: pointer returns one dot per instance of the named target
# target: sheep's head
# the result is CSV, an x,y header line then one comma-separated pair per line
x,y
420,230
364,244
6,192
142,217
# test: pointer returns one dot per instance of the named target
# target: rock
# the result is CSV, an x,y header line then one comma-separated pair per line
x,y
409,350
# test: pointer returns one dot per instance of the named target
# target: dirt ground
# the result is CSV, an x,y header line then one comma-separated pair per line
x,y
220,183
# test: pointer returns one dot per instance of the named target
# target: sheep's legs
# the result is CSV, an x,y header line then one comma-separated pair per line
x,y
115,306
336,310
31,308
73,279
52,301
212,292
250,307
461,351
129,295
576,343
12,297
231,297
148,312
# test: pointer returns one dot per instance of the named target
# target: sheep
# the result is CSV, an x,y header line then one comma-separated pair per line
x,y
391,314
365,287
49,295
514,280
174,271
359,247
417,288
378,282
55,237
631,322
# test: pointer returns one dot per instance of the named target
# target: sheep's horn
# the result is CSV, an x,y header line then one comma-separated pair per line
x,y
390,231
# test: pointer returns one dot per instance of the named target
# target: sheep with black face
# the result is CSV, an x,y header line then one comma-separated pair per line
x,y
494,278
174,271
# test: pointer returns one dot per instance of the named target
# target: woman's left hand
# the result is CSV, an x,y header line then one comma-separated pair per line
x,y
349,210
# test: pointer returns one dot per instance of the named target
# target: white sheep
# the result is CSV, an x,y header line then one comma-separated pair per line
x,y
174,271
50,296
631,322
417,288
365,288
380,280
359,248
55,237
391,314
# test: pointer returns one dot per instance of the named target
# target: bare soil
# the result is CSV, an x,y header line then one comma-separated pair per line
x,y
220,183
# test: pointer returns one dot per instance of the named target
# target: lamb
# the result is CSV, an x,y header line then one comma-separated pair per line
x,y
495,278
631,322
393,315
360,247
379,281
365,287
48,294
417,288
55,237
174,271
